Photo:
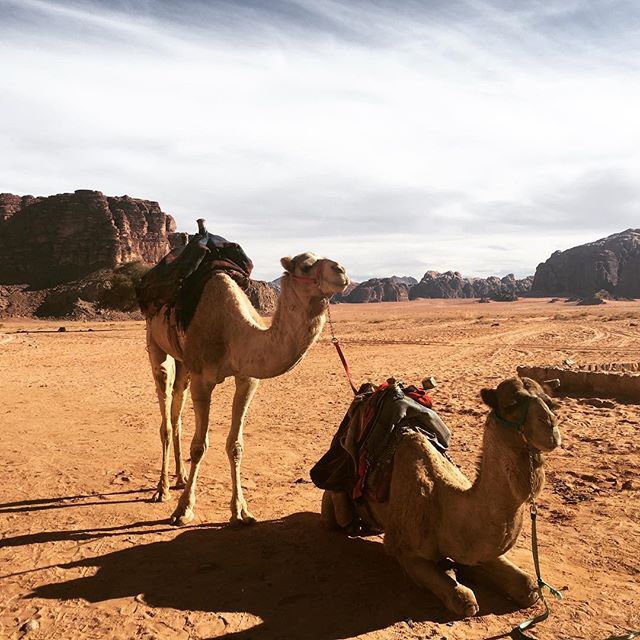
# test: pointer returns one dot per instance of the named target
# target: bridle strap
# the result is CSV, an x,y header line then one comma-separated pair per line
x,y
517,426
315,278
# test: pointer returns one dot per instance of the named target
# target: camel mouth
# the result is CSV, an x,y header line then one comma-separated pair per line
x,y
553,442
345,283
339,284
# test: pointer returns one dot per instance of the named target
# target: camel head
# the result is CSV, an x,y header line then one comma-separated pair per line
x,y
523,406
321,276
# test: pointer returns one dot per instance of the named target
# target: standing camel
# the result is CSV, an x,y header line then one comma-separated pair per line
x,y
435,513
227,337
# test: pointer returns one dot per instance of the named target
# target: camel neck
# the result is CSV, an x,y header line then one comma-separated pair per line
x,y
296,325
503,483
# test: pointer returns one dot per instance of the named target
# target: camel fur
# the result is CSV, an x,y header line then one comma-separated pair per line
x,y
435,515
227,337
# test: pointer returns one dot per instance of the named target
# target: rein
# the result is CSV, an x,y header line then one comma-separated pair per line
x,y
336,344
518,632
316,279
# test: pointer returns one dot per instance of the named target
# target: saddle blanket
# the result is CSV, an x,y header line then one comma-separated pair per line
x,y
360,458
178,279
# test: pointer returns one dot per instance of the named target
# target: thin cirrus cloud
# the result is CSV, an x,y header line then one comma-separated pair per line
x,y
396,137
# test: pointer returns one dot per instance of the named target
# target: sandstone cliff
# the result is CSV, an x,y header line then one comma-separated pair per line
x,y
611,264
45,241
452,284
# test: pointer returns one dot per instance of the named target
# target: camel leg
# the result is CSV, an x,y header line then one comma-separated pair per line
x,y
328,512
201,397
443,584
245,388
163,369
507,578
336,511
180,387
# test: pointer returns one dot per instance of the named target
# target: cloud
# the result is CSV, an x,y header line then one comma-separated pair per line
x,y
395,136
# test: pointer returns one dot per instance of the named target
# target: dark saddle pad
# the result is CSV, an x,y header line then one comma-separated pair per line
x,y
179,278
368,435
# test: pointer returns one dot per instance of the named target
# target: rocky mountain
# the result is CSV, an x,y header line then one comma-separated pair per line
x,y
393,289
77,255
611,264
452,284
45,241
263,296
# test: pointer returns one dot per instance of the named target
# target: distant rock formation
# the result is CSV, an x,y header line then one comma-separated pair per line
x,y
452,284
599,297
611,263
263,296
45,241
393,289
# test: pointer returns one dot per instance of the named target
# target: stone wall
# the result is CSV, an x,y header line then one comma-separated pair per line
x,y
622,385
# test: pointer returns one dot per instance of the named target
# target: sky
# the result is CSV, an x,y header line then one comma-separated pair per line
x,y
394,136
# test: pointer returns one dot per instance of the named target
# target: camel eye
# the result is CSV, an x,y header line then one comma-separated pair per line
x,y
305,268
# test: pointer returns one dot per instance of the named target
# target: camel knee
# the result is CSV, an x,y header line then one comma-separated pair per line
x,y
176,423
197,452
165,432
235,451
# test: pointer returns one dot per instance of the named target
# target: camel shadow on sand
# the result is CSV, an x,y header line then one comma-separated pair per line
x,y
299,579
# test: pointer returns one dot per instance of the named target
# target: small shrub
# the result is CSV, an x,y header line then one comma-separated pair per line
x,y
120,293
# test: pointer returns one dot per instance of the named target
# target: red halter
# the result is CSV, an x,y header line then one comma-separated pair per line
x,y
315,276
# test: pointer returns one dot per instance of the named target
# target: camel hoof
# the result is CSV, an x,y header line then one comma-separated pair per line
x,y
464,602
161,496
182,517
244,519
528,599
470,610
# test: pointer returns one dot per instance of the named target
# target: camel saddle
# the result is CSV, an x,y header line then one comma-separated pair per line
x,y
177,281
360,458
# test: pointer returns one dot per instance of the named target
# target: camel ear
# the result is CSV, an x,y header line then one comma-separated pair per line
x,y
550,385
489,397
287,263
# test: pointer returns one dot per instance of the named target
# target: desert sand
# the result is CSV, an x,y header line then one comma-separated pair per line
x,y
84,554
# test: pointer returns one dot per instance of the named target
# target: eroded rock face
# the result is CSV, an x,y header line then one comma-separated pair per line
x,y
392,289
46,241
452,284
612,264
263,296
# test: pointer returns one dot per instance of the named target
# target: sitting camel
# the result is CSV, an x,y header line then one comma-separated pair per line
x,y
227,337
435,513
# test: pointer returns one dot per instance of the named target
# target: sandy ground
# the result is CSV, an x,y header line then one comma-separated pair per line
x,y
84,554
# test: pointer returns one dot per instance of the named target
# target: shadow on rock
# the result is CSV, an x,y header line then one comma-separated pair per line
x,y
300,580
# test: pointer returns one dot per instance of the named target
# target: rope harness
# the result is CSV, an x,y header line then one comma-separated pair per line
x,y
518,632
